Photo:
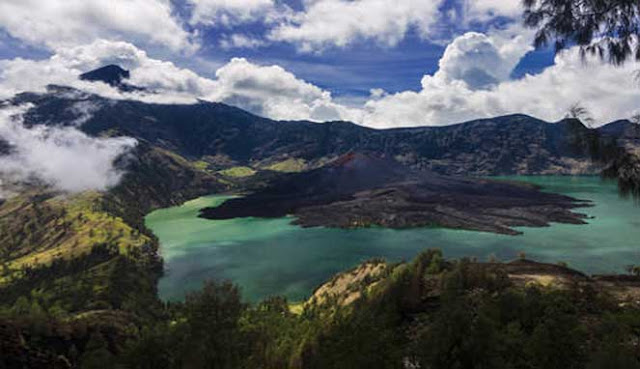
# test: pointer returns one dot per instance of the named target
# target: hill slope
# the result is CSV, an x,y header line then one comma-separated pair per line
x,y
225,137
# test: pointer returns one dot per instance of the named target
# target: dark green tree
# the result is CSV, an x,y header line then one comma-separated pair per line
x,y
96,353
213,338
607,28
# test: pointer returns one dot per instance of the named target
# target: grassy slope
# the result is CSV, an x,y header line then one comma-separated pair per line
x,y
48,232
238,172
37,231
75,265
291,165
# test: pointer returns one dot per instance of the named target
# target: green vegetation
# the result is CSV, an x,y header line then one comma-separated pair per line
x,y
238,172
41,228
291,165
201,165
79,273
430,313
78,290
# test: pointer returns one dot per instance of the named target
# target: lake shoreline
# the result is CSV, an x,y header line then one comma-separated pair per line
x,y
274,257
358,191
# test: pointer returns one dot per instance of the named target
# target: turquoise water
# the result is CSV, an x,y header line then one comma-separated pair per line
x,y
272,257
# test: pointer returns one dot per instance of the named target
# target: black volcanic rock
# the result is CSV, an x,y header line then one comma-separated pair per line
x,y
358,190
112,75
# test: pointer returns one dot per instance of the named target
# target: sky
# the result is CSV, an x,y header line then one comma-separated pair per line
x,y
378,63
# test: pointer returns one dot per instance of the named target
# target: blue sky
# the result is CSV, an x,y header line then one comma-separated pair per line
x,y
364,65
355,70
428,62
345,71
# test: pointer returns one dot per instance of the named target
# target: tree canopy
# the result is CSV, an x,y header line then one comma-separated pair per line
x,y
609,29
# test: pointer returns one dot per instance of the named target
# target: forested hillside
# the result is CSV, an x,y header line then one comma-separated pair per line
x,y
428,313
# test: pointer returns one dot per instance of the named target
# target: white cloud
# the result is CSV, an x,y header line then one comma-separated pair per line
x,y
376,93
453,94
339,23
266,90
325,23
273,92
63,23
168,82
239,41
228,12
486,10
481,61
64,158
473,81
319,24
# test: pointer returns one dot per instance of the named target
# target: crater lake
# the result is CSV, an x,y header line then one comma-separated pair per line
x,y
267,257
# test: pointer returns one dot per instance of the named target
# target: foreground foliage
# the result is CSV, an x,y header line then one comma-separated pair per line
x,y
426,314
607,28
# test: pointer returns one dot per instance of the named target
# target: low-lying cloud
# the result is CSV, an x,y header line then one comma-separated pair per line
x,y
62,157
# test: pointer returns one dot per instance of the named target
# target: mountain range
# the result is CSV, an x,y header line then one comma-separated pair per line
x,y
187,150
223,136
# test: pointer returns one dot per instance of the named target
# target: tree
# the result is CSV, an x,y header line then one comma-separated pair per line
x,y
633,270
213,337
96,353
607,28
635,119
579,112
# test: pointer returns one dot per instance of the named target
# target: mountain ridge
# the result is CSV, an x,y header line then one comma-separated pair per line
x,y
512,144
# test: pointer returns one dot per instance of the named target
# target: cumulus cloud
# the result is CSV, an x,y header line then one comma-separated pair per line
x,y
473,81
64,158
168,82
239,41
315,25
265,90
486,10
62,23
319,24
481,61
229,12
273,92
459,90
339,23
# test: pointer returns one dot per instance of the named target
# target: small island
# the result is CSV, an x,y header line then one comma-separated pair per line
x,y
360,190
